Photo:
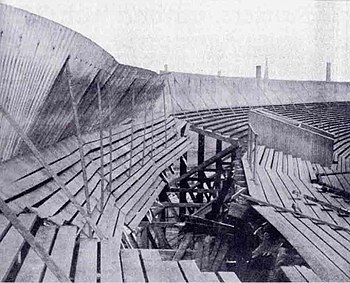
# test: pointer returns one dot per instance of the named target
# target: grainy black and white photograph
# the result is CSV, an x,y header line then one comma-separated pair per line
x,y
175,141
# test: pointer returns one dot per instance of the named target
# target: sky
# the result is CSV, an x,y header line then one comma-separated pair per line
x,y
204,36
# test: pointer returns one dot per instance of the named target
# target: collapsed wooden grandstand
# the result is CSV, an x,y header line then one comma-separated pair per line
x,y
115,173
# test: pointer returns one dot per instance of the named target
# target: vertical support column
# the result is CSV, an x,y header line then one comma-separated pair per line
x,y
101,145
81,145
201,157
183,184
218,166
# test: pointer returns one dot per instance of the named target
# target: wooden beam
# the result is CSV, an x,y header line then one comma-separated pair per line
x,y
204,164
200,159
177,204
210,133
183,183
296,214
34,244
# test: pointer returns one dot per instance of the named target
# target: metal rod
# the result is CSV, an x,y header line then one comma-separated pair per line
x,y
101,145
132,131
80,143
152,118
165,129
144,136
110,141
49,171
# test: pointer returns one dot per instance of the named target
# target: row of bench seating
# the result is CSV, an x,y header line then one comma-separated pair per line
x,y
282,182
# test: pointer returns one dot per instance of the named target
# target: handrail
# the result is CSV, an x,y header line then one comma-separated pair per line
x,y
252,150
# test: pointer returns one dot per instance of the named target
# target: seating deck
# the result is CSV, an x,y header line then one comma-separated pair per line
x,y
309,218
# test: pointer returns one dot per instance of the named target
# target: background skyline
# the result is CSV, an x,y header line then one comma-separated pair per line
x,y
204,36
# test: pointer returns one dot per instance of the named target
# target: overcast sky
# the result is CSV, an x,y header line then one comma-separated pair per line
x,y
204,36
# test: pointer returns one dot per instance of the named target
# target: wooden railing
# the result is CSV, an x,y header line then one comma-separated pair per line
x,y
252,150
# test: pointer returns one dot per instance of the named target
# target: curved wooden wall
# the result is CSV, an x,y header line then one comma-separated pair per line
x,y
193,91
34,86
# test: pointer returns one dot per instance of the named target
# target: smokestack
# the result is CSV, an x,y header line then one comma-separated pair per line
x,y
258,72
165,68
266,73
328,72
219,73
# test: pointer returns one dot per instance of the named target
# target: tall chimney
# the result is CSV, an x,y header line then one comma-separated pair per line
x,y
219,73
165,68
328,72
258,72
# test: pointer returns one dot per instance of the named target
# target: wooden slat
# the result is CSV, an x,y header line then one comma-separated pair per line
x,y
191,271
173,271
292,273
308,274
62,252
229,276
152,262
211,276
306,247
86,270
33,266
11,245
111,270
131,265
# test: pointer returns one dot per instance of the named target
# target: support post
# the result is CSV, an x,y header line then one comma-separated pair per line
x,y
80,142
102,180
183,184
218,168
201,175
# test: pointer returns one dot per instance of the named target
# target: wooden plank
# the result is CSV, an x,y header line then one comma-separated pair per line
x,y
292,273
86,270
4,226
131,266
308,274
62,252
306,247
337,255
211,276
12,244
152,262
33,266
229,276
191,271
111,270
311,171
173,271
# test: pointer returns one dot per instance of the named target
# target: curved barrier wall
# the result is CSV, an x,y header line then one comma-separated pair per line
x,y
34,86
193,91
